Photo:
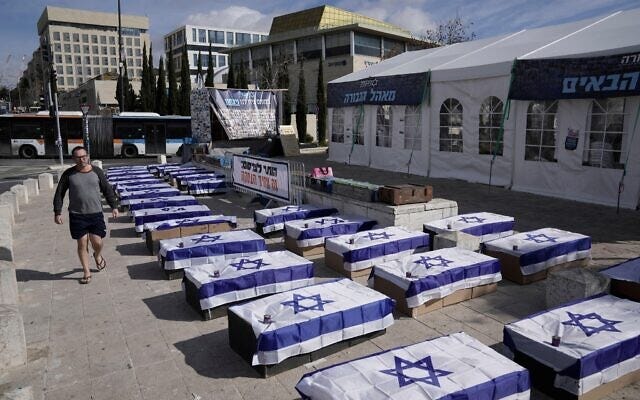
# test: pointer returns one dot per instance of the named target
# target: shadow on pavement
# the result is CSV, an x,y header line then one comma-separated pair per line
x,y
149,271
25,275
171,307
211,356
132,249
123,233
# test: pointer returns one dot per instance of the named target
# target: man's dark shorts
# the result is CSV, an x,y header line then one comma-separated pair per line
x,y
81,224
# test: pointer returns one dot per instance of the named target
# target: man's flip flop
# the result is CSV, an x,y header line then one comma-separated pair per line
x,y
102,264
85,280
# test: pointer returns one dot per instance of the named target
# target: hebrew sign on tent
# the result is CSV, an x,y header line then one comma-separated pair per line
x,y
245,114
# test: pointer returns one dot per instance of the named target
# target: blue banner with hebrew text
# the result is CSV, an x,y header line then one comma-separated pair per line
x,y
405,89
576,78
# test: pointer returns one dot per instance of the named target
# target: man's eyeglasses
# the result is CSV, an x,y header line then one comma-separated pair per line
x,y
81,156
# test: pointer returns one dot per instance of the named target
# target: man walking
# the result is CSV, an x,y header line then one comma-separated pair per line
x,y
85,182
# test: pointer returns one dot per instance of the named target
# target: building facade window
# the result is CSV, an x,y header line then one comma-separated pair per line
x,y
94,39
66,37
367,45
357,125
255,38
76,48
112,40
70,81
202,35
384,126
136,42
104,50
222,61
194,35
58,59
489,126
68,59
216,37
56,35
60,81
85,38
67,48
85,49
76,37
96,60
129,41
606,134
103,39
412,129
112,51
392,47
309,48
87,59
540,137
451,126
230,38
69,70
57,47
337,125
95,50
243,38
338,44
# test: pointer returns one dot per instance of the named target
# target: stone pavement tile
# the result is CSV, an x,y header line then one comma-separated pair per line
x,y
61,344
176,334
403,332
483,338
441,322
109,356
199,353
263,389
99,322
116,386
147,349
227,392
77,391
160,380
360,350
36,329
65,371
138,321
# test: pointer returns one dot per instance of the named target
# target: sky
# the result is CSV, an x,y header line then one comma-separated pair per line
x,y
19,35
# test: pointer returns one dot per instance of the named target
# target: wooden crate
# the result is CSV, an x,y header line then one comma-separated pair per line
x,y
292,245
405,194
510,267
336,263
362,191
152,238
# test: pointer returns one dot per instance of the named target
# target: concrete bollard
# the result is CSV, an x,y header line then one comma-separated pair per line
x,y
18,393
11,199
8,284
45,181
32,186
12,338
162,159
21,193
6,240
97,163
6,213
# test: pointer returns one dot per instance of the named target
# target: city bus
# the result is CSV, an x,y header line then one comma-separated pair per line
x,y
129,134
32,135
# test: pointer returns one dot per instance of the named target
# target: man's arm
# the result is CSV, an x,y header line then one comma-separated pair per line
x,y
106,189
61,190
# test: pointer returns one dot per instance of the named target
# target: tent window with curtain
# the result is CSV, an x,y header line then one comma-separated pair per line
x,y
542,122
412,135
603,140
451,126
337,125
384,118
489,126
357,125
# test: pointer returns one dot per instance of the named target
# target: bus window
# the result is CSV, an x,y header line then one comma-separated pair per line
x,y
178,131
25,130
123,131
5,136
74,129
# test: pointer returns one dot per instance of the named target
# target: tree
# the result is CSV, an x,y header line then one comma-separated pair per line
x,y
172,96
129,94
161,94
283,83
322,106
455,30
145,84
301,105
231,76
152,80
242,78
185,84
199,64
209,81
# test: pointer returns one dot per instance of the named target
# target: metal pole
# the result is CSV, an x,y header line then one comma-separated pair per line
x,y
85,129
59,140
122,89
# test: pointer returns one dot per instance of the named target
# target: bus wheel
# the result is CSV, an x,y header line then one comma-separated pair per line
x,y
129,151
179,152
27,151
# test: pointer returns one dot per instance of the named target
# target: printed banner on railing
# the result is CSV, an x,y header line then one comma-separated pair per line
x,y
263,176
245,113
576,78
408,89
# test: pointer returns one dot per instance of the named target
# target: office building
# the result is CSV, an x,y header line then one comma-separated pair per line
x,y
197,40
84,44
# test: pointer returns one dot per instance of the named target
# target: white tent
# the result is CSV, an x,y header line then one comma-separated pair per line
x,y
453,131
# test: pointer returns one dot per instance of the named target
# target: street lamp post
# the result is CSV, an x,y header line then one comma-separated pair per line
x,y
85,127
120,65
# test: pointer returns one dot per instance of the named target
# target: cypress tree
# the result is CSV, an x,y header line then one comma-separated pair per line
x,y
209,81
301,105
231,78
199,64
185,85
161,94
144,84
172,97
242,78
119,94
129,94
152,81
322,106
283,83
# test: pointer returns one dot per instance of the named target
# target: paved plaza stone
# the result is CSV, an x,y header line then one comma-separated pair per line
x,y
130,334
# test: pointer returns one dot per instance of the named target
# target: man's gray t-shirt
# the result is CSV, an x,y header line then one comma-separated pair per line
x,y
85,189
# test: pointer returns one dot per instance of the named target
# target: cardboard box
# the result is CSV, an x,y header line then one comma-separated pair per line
x,y
152,238
292,245
336,263
405,194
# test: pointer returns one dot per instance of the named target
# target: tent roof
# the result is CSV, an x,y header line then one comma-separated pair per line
x,y
616,33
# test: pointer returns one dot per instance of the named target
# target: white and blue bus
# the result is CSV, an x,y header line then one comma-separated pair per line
x,y
137,133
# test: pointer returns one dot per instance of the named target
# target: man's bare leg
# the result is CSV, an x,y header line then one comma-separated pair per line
x,y
96,243
83,254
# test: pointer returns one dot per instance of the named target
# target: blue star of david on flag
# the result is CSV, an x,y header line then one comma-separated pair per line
x,y
606,324
206,239
541,238
424,364
291,208
330,221
181,222
297,307
426,261
257,264
175,209
382,235
470,220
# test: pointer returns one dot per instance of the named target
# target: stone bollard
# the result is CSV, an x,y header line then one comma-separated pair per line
x,y
574,283
45,181
456,239
10,198
97,163
6,240
8,284
162,159
21,193
6,213
18,393
12,338
32,186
